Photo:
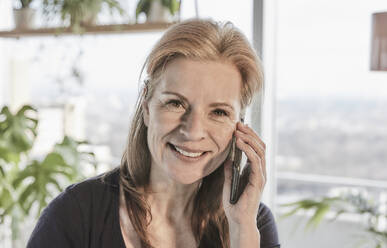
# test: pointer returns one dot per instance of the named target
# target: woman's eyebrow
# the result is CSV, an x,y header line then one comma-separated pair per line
x,y
215,104
176,94
222,104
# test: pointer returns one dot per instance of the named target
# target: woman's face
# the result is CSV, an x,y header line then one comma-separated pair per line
x,y
191,118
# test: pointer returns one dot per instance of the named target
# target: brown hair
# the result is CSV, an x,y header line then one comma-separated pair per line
x,y
199,40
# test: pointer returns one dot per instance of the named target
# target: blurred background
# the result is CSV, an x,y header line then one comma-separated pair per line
x,y
69,80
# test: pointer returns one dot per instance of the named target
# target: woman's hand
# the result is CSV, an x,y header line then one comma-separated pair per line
x,y
242,215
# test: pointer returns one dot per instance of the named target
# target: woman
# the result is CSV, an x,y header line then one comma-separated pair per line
x,y
173,186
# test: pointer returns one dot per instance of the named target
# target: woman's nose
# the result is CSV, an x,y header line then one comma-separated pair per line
x,y
193,126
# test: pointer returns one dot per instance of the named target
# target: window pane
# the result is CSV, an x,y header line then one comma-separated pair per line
x,y
87,85
332,110
92,82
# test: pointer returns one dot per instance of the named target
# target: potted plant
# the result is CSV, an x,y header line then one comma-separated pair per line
x,y
158,10
348,201
78,12
28,183
23,14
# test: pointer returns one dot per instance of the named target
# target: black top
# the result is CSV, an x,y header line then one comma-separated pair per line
x,y
86,214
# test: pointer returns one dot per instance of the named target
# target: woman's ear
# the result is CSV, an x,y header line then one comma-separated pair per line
x,y
145,111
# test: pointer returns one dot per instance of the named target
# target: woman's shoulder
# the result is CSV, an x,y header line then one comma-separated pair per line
x,y
80,208
101,191
95,190
264,213
107,182
267,227
91,189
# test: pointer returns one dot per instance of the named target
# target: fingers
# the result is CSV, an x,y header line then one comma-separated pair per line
x,y
257,176
249,142
253,142
250,136
258,149
250,131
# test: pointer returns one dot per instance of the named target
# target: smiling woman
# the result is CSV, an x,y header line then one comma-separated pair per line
x,y
191,118
173,186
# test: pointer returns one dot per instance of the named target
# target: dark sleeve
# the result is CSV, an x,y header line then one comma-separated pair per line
x,y
267,228
60,224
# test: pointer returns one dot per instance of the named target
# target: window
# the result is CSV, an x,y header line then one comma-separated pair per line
x,y
331,109
87,86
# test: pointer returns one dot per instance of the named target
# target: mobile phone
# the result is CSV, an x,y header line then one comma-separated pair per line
x,y
238,159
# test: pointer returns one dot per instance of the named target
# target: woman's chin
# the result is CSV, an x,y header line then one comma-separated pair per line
x,y
186,180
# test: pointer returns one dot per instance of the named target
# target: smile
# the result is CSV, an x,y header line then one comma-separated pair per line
x,y
189,154
181,153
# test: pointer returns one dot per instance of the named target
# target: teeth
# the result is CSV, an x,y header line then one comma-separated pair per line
x,y
189,154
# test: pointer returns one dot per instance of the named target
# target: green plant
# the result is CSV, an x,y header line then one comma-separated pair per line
x,y
350,201
143,6
27,184
78,12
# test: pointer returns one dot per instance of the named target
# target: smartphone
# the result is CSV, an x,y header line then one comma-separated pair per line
x,y
239,180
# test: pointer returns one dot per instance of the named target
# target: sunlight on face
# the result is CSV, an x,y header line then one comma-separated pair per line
x,y
191,118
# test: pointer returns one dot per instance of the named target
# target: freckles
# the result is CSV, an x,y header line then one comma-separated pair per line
x,y
226,135
166,117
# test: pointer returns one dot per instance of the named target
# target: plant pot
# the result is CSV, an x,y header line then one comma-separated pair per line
x,y
89,19
24,18
158,13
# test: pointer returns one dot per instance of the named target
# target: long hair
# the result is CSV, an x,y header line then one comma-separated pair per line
x,y
202,40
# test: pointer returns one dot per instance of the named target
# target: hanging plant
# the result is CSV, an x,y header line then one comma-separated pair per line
x,y
147,6
78,12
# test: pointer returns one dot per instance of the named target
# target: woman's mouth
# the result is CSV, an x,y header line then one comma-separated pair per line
x,y
187,155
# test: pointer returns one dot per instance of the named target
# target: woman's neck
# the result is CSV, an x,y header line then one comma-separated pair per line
x,y
169,199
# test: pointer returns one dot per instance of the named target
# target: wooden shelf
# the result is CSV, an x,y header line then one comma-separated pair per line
x,y
102,29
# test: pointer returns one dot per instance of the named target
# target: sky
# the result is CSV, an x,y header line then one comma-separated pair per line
x,y
323,49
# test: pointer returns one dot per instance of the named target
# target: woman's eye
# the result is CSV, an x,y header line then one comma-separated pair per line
x,y
220,112
174,103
